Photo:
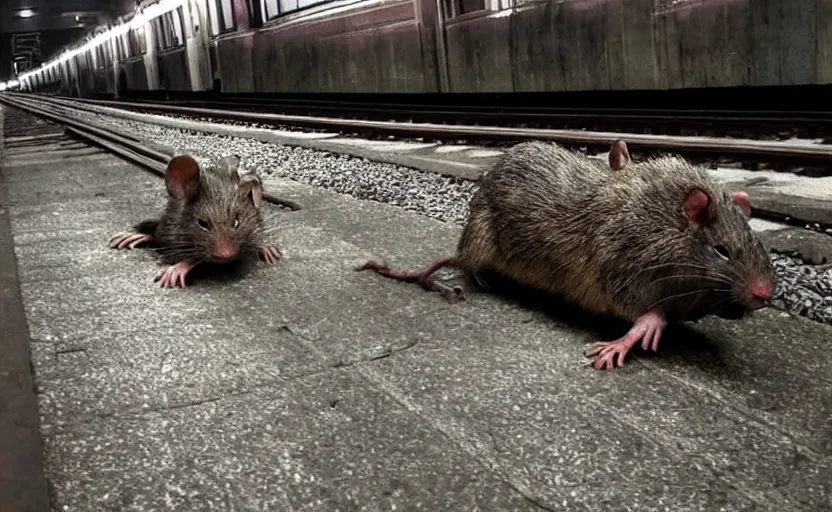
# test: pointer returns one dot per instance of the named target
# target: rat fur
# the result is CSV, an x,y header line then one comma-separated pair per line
x,y
212,215
649,243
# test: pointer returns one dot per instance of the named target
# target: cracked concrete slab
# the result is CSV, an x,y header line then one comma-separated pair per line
x,y
308,386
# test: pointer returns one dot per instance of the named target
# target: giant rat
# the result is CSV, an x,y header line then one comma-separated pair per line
x,y
647,242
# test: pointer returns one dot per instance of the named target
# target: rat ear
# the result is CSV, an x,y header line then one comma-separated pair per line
x,y
252,188
697,208
742,200
182,177
229,163
619,155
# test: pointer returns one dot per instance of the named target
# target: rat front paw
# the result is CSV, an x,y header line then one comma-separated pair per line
x,y
174,275
269,254
129,240
605,354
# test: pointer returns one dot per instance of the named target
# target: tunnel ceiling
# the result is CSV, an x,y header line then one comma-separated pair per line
x,y
32,31
46,15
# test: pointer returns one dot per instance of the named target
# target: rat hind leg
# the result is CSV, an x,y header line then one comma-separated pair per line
x,y
648,329
422,277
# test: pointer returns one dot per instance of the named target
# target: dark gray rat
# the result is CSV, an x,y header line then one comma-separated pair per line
x,y
651,242
212,215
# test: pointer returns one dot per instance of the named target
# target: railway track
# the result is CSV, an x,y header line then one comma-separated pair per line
x,y
779,155
814,216
123,144
757,124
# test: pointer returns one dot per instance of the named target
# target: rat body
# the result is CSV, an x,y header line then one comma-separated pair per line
x,y
650,243
212,215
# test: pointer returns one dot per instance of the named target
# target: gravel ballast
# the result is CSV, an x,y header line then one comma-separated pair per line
x,y
804,289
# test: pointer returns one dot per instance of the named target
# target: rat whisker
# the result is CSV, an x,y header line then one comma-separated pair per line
x,y
672,264
677,296
689,276
713,279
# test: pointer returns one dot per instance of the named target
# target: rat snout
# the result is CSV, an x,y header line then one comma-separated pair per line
x,y
224,250
759,292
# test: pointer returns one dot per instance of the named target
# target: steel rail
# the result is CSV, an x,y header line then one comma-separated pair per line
x,y
817,212
673,143
697,115
119,143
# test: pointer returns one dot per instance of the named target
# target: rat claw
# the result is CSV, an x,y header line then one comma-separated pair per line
x,y
135,243
604,353
596,347
130,240
270,254
174,275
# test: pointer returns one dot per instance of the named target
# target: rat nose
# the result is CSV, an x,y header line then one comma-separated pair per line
x,y
224,250
759,290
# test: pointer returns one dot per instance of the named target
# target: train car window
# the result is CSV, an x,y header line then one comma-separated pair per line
x,y
270,9
119,51
274,8
255,13
169,28
226,11
99,57
309,3
288,5
212,16
137,41
141,39
175,27
159,33
179,17
454,8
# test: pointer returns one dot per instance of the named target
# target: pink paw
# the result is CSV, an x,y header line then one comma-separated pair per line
x,y
647,329
604,354
129,240
270,254
174,275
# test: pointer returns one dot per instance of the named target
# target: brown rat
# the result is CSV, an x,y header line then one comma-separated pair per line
x,y
212,215
651,242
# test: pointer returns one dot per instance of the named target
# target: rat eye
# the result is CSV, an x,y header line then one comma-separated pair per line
x,y
236,221
203,224
722,251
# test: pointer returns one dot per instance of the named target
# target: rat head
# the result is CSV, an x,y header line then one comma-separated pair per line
x,y
731,257
220,210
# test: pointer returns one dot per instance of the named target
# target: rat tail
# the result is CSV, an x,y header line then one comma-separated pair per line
x,y
419,276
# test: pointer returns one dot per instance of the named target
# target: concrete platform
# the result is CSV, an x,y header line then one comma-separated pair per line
x,y
307,386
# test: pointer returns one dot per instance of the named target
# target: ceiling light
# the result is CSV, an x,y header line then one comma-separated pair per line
x,y
25,13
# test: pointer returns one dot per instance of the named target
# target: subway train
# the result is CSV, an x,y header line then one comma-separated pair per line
x,y
445,46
